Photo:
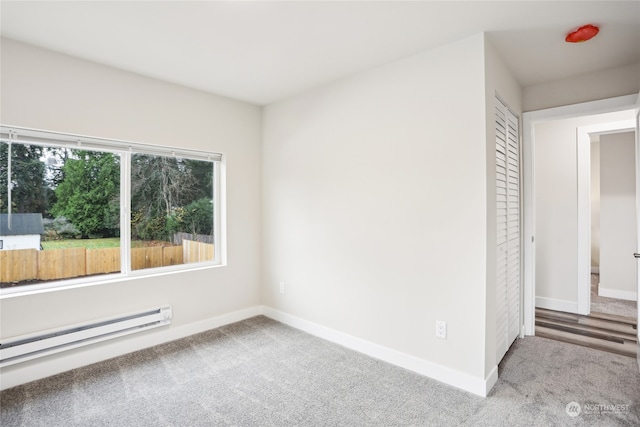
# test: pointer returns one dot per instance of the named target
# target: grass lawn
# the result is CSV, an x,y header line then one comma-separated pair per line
x,y
112,242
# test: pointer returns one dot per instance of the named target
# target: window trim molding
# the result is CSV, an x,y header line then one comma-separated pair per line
x,y
23,135
29,136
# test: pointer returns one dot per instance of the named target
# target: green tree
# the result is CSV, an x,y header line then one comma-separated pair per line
x,y
161,188
29,192
195,218
198,217
202,173
89,193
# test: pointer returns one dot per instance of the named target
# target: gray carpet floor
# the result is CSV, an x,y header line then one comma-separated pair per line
x,y
259,372
610,305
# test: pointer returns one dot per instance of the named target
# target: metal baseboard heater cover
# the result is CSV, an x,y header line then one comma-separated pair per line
x,y
27,347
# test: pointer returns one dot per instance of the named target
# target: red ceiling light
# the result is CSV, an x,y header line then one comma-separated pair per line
x,y
582,34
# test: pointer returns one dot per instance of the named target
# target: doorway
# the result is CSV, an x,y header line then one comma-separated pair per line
x,y
613,229
557,255
549,244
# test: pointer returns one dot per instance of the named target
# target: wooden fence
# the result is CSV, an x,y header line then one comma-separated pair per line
x,y
178,238
55,264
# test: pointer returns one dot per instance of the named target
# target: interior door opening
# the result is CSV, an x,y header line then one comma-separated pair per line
x,y
618,199
613,229
554,224
543,261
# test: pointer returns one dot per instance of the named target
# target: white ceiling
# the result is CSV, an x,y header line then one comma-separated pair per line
x,y
265,51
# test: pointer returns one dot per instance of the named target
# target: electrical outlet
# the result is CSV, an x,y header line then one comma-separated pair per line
x,y
441,329
282,287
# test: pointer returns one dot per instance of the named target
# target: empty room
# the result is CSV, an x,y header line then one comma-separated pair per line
x,y
357,213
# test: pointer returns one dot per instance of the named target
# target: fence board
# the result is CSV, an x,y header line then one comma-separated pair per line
x,y
106,260
137,258
179,237
18,265
196,251
172,255
61,263
147,257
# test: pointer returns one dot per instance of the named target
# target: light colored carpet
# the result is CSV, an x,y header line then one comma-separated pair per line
x,y
610,305
262,373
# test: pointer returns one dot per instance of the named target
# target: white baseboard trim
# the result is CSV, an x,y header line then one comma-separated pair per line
x,y
491,380
478,386
47,366
557,304
595,270
215,322
618,294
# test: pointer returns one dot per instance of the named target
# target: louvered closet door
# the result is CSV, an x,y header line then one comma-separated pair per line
x,y
508,229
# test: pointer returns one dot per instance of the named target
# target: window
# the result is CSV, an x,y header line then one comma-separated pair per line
x,y
76,209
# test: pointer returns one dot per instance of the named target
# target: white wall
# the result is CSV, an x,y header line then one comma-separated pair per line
x,y
603,84
618,216
30,241
556,209
374,201
595,205
45,90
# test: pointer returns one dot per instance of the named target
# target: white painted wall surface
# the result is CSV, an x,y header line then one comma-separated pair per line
x,y
374,201
556,209
31,241
604,84
45,90
618,216
595,205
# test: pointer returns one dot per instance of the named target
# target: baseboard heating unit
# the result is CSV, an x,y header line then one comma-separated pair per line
x,y
27,347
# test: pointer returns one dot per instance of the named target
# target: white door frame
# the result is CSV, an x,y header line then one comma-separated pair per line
x,y
529,119
637,114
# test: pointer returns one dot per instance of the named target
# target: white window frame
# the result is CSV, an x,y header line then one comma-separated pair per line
x,y
125,149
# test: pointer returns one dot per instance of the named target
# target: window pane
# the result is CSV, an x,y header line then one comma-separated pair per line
x,y
65,214
61,198
171,211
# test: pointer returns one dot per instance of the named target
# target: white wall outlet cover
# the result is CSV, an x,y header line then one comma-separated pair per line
x,y
441,329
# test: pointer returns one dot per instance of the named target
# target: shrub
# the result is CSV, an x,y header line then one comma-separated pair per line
x,y
59,228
